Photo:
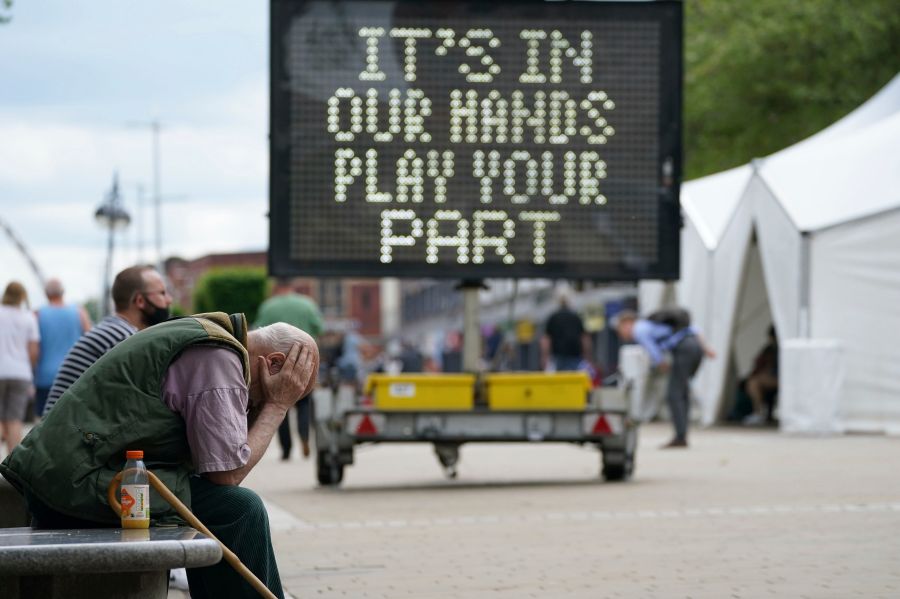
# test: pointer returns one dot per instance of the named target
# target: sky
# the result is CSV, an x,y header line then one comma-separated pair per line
x,y
77,79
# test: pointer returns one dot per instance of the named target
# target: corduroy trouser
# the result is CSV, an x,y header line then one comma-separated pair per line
x,y
238,518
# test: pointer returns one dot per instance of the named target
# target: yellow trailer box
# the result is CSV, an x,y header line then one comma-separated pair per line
x,y
449,392
537,391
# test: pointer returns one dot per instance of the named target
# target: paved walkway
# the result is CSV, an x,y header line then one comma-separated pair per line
x,y
739,514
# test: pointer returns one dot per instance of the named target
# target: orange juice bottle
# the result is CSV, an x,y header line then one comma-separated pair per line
x,y
135,492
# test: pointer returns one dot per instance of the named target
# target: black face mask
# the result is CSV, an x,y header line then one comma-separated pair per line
x,y
156,314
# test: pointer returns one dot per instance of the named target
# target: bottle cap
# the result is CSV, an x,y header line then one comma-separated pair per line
x,y
137,454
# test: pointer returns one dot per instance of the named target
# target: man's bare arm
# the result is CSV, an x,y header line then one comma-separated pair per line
x,y
34,352
282,390
545,350
587,347
85,319
708,351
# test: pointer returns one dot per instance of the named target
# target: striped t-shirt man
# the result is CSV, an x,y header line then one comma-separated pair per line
x,y
108,333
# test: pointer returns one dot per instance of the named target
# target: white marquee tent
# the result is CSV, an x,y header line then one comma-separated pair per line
x,y
807,239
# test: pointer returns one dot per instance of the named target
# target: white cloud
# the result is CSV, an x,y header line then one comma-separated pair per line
x,y
80,270
64,106
53,176
33,153
247,104
196,229
204,228
41,156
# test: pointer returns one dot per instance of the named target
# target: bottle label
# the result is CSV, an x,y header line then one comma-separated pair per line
x,y
135,502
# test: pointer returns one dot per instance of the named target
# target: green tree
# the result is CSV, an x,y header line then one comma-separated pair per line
x,y
762,75
5,6
92,307
230,290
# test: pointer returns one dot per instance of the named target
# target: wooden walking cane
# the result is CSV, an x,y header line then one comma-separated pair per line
x,y
191,519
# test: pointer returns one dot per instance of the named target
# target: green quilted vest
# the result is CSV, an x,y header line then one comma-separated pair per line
x,y
68,460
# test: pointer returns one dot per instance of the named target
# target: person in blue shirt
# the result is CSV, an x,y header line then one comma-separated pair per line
x,y
61,326
673,349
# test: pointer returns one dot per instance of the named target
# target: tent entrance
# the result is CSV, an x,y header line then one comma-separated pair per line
x,y
753,318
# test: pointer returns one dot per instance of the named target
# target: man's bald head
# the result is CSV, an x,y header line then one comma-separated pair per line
x,y
279,338
54,289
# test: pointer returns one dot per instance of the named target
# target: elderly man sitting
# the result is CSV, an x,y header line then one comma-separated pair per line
x,y
202,399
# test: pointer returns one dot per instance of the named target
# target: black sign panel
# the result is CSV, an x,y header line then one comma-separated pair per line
x,y
475,139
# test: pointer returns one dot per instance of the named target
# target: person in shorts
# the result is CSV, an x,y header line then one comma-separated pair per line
x,y
19,346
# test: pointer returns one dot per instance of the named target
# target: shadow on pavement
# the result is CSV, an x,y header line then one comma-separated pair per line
x,y
452,486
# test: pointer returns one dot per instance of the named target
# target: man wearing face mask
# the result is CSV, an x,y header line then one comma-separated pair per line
x,y
141,300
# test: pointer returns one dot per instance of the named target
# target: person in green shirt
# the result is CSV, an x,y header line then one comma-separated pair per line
x,y
286,305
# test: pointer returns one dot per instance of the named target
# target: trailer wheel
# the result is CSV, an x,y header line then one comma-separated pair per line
x,y
329,470
448,456
618,464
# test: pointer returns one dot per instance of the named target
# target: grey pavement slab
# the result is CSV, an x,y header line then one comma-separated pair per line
x,y
741,513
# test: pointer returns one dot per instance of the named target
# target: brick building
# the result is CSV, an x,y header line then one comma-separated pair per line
x,y
341,300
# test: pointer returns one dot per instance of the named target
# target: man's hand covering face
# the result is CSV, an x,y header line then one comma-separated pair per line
x,y
294,380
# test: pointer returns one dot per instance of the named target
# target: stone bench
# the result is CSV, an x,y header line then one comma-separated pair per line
x,y
12,507
91,563
100,562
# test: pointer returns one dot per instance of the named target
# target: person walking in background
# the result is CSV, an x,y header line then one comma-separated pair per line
x,y
355,350
669,332
296,309
19,338
61,325
565,344
141,300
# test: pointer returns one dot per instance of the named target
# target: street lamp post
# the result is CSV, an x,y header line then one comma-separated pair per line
x,y
155,127
113,217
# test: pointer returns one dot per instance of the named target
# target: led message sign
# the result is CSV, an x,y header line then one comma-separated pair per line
x,y
473,139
